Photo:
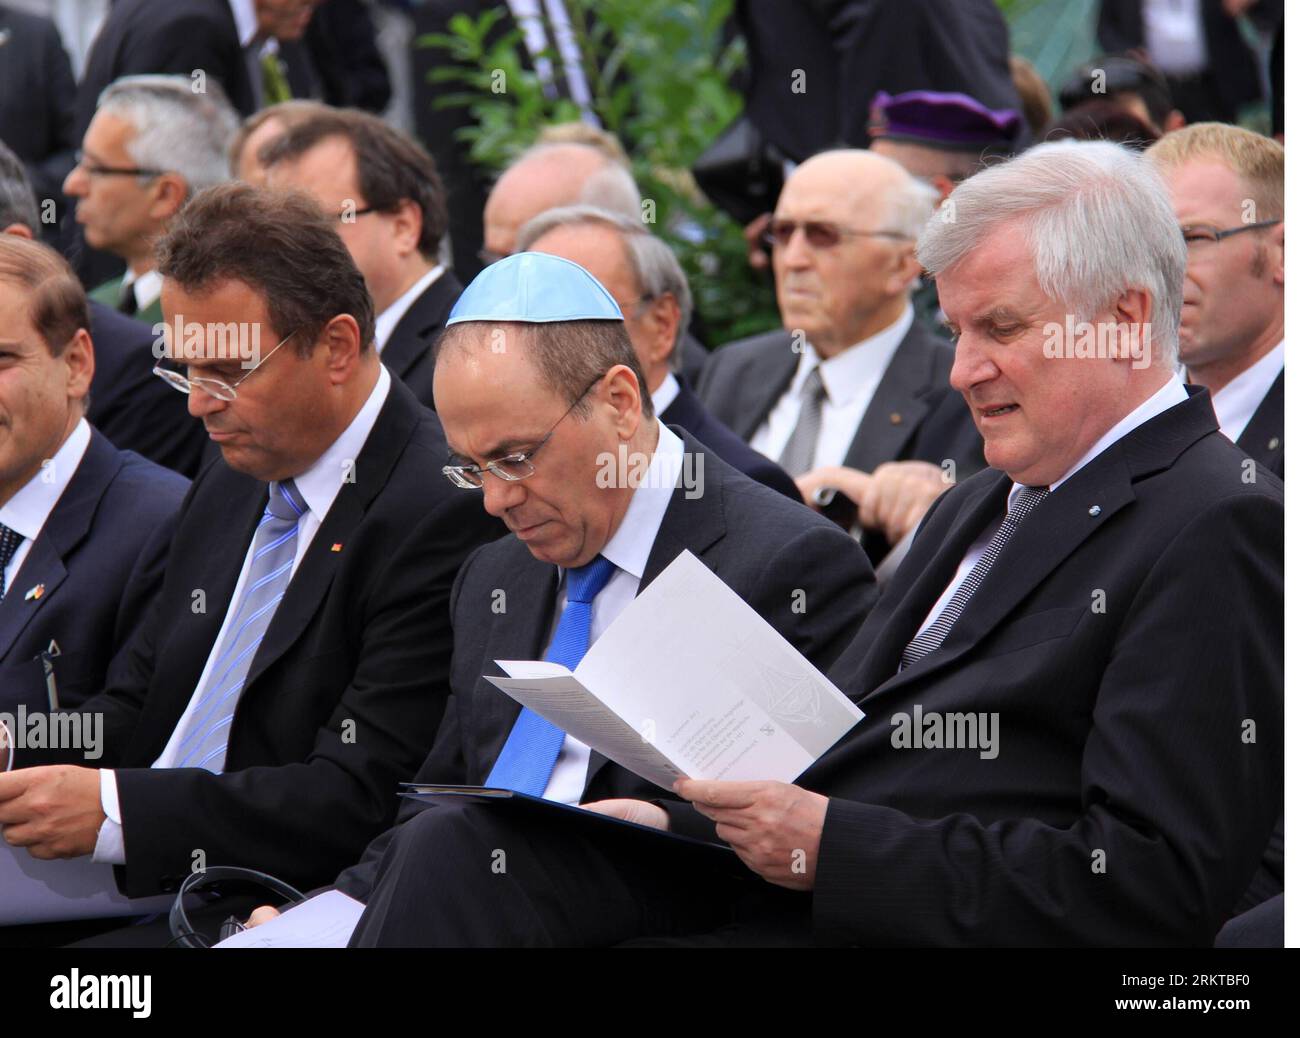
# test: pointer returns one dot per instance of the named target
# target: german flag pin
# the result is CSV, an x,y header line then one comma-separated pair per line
x,y
336,546
34,593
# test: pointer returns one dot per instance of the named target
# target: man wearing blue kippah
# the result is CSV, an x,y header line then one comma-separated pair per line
x,y
538,388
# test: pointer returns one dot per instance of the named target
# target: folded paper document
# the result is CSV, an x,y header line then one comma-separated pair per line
x,y
690,681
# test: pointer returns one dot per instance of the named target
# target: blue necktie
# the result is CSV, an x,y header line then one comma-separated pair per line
x,y
274,545
533,746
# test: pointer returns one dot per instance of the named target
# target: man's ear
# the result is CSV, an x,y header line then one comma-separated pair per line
x,y
342,338
170,192
79,358
665,317
18,230
1277,238
408,222
622,391
906,269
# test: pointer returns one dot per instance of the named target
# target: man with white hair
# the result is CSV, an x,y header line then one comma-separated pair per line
x,y
152,143
1064,742
853,384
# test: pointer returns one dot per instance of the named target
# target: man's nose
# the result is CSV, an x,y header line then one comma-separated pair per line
x,y
75,182
970,366
501,495
202,403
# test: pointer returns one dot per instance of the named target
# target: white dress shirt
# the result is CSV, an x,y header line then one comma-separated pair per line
x,y
851,379
667,392
27,511
319,486
396,310
629,550
145,287
1175,36
1236,403
1169,395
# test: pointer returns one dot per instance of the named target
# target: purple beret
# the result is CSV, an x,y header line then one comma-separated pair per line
x,y
952,122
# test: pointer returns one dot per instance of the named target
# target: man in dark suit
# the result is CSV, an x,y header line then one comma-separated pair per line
x,y
132,176
854,381
1227,188
1036,679
37,93
290,671
386,198
567,524
134,409
84,527
644,277
1212,71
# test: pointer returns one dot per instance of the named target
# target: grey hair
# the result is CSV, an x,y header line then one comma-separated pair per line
x,y
908,206
654,267
17,199
177,129
1098,220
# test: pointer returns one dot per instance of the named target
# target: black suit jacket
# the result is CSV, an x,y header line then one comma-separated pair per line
x,y
37,94
166,37
850,49
1263,438
131,405
99,560
409,350
345,691
763,546
1129,638
687,411
914,414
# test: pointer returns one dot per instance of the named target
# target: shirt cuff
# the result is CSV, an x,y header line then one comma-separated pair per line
x,y
110,845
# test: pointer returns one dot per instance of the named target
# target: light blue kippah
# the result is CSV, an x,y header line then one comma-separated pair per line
x,y
537,288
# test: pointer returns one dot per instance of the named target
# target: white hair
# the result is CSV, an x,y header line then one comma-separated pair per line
x,y
654,267
908,205
176,129
1099,222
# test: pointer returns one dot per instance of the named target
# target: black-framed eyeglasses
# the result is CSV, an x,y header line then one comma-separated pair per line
x,y
1202,235
513,467
96,169
820,234
214,387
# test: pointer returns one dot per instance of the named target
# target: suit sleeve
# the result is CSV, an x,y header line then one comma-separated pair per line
x,y
304,821
816,593
1179,787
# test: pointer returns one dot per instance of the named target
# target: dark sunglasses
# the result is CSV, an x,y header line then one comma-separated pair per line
x,y
820,234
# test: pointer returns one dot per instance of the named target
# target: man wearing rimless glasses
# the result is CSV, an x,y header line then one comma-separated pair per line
x,y
297,653
852,384
1227,190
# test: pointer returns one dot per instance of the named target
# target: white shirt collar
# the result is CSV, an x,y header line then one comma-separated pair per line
x,y
245,20
858,370
629,548
666,393
1171,394
320,484
27,511
387,321
1236,403
146,287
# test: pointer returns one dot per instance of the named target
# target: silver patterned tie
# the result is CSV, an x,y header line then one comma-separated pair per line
x,y
274,544
800,449
929,639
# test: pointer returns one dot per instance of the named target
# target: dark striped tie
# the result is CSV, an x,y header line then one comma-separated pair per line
x,y
930,638
9,542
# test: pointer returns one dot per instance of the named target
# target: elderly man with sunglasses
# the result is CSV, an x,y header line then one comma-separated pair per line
x,y
293,667
853,384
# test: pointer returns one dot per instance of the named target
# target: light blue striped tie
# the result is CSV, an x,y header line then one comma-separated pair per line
x,y
533,746
274,544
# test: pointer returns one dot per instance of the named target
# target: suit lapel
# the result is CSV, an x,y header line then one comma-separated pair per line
x,y
770,376
522,633
43,570
1262,438
392,429
414,333
898,405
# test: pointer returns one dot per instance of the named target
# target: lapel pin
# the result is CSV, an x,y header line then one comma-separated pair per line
x,y
34,593
895,419
1094,511
1274,443
336,546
